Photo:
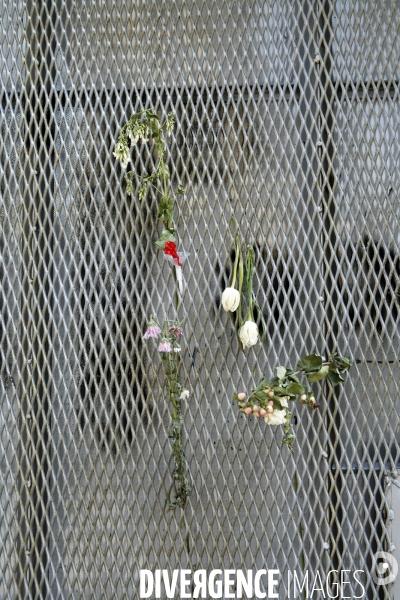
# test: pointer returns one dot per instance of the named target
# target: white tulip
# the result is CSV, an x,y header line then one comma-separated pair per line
x,y
248,334
230,299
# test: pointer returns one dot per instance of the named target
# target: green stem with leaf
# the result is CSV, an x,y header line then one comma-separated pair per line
x,y
276,392
235,265
181,482
147,125
241,276
250,261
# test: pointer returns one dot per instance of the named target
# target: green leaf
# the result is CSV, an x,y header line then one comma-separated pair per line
x,y
261,396
311,363
272,382
180,190
263,384
165,209
288,439
295,388
277,405
280,391
150,112
335,378
281,372
167,235
291,376
342,363
323,372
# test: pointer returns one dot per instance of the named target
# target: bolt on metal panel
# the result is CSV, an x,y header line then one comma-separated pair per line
x,y
286,122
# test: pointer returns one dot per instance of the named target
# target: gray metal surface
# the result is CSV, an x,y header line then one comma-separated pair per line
x,y
288,122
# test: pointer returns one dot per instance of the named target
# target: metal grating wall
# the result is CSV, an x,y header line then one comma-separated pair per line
x,y
288,122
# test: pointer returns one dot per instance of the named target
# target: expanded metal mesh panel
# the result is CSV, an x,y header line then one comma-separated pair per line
x,y
288,124
13,44
366,43
197,43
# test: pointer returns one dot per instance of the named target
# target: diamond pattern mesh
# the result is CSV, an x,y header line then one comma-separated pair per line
x,y
288,123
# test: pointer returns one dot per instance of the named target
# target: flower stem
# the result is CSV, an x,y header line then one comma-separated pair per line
x,y
182,485
240,286
250,260
237,252
324,364
249,314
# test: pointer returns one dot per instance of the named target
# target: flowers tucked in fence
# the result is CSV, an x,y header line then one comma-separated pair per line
x,y
153,331
169,336
147,126
231,296
248,334
270,399
230,299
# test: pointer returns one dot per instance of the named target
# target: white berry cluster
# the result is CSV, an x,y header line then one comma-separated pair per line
x,y
270,399
271,415
309,401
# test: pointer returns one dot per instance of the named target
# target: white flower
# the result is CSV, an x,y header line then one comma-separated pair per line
x,y
284,401
177,349
184,395
248,334
277,417
122,153
133,138
230,299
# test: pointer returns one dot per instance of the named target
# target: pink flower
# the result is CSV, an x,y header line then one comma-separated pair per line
x,y
153,331
176,331
165,346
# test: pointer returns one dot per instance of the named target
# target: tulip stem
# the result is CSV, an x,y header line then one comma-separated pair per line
x,y
250,260
240,255
237,252
249,315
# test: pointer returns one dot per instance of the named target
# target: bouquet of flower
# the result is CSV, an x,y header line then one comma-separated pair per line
x,y
169,346
147,126
270,399
232,297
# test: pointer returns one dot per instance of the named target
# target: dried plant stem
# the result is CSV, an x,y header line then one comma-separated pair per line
x,y
182,485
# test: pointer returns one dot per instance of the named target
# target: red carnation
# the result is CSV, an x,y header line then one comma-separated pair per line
x,y
170,250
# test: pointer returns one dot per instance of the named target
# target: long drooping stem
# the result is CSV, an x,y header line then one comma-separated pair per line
x,y
240,284
250,260
235,265
146,125
182,486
